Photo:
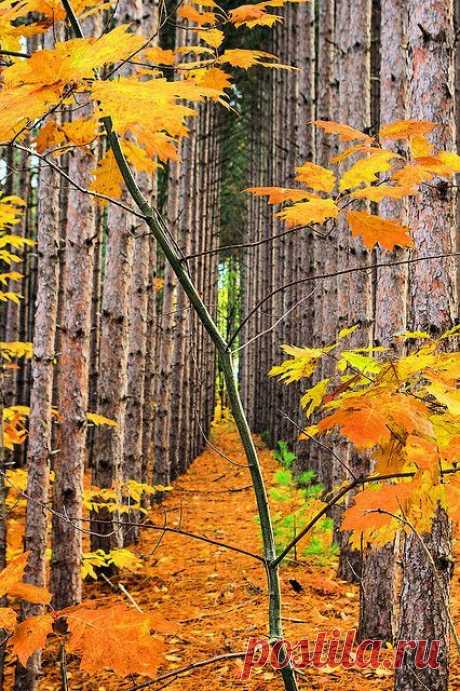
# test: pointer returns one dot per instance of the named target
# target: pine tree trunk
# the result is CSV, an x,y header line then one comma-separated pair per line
x,y
378,597
354,290
432,306
39,437
113,351
73,384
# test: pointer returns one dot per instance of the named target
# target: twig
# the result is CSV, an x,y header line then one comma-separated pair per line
x,y
63,669
188,668
125,592
63,174
275,324
337,497
217,450
334,274
321,444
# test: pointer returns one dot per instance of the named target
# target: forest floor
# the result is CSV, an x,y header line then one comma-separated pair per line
x,y
214,599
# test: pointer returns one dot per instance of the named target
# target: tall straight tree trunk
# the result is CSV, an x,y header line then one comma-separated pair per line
x,y
432,306
138,322
327,109
113,352
353,31
150,366
73,393
378,598
113,356
307,316
39,437
73,382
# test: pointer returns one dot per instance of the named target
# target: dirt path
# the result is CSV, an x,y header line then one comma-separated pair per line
x,y
214,599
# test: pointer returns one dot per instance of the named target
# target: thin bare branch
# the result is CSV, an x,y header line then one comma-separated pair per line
x,y
183,670
334,274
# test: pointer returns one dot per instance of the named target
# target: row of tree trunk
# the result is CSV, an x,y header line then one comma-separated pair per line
x,y
112,334
361,63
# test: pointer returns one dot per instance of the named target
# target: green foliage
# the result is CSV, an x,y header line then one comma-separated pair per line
x,y
283,455
297,497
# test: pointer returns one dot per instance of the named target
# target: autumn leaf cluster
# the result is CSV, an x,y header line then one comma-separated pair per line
x,y
372,173
400,414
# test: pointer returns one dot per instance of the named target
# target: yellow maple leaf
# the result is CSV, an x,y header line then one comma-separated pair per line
x,y
434,165
302,363
31,636
11,211
253,15
159,56
239,57
213,37
314,211
79,132
213,78
316,177
376,193
124,559
355,149
154,103
138,157
374,229
412,174
107,178
10,276
16,349
73,60
90,561
312,398
366,170
420,146
451,160
97,419
448,396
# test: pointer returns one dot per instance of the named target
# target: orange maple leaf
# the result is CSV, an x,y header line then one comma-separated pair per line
x,y
345,132
278,195
31,636
360,422
11,583
116,638
374,229
405,129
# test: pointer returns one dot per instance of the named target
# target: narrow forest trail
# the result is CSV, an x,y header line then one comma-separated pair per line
x,y
212,599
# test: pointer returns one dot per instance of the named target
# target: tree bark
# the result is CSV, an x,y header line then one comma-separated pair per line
x,y
73,382
378,598
354,290
432,306
107,469
39,437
